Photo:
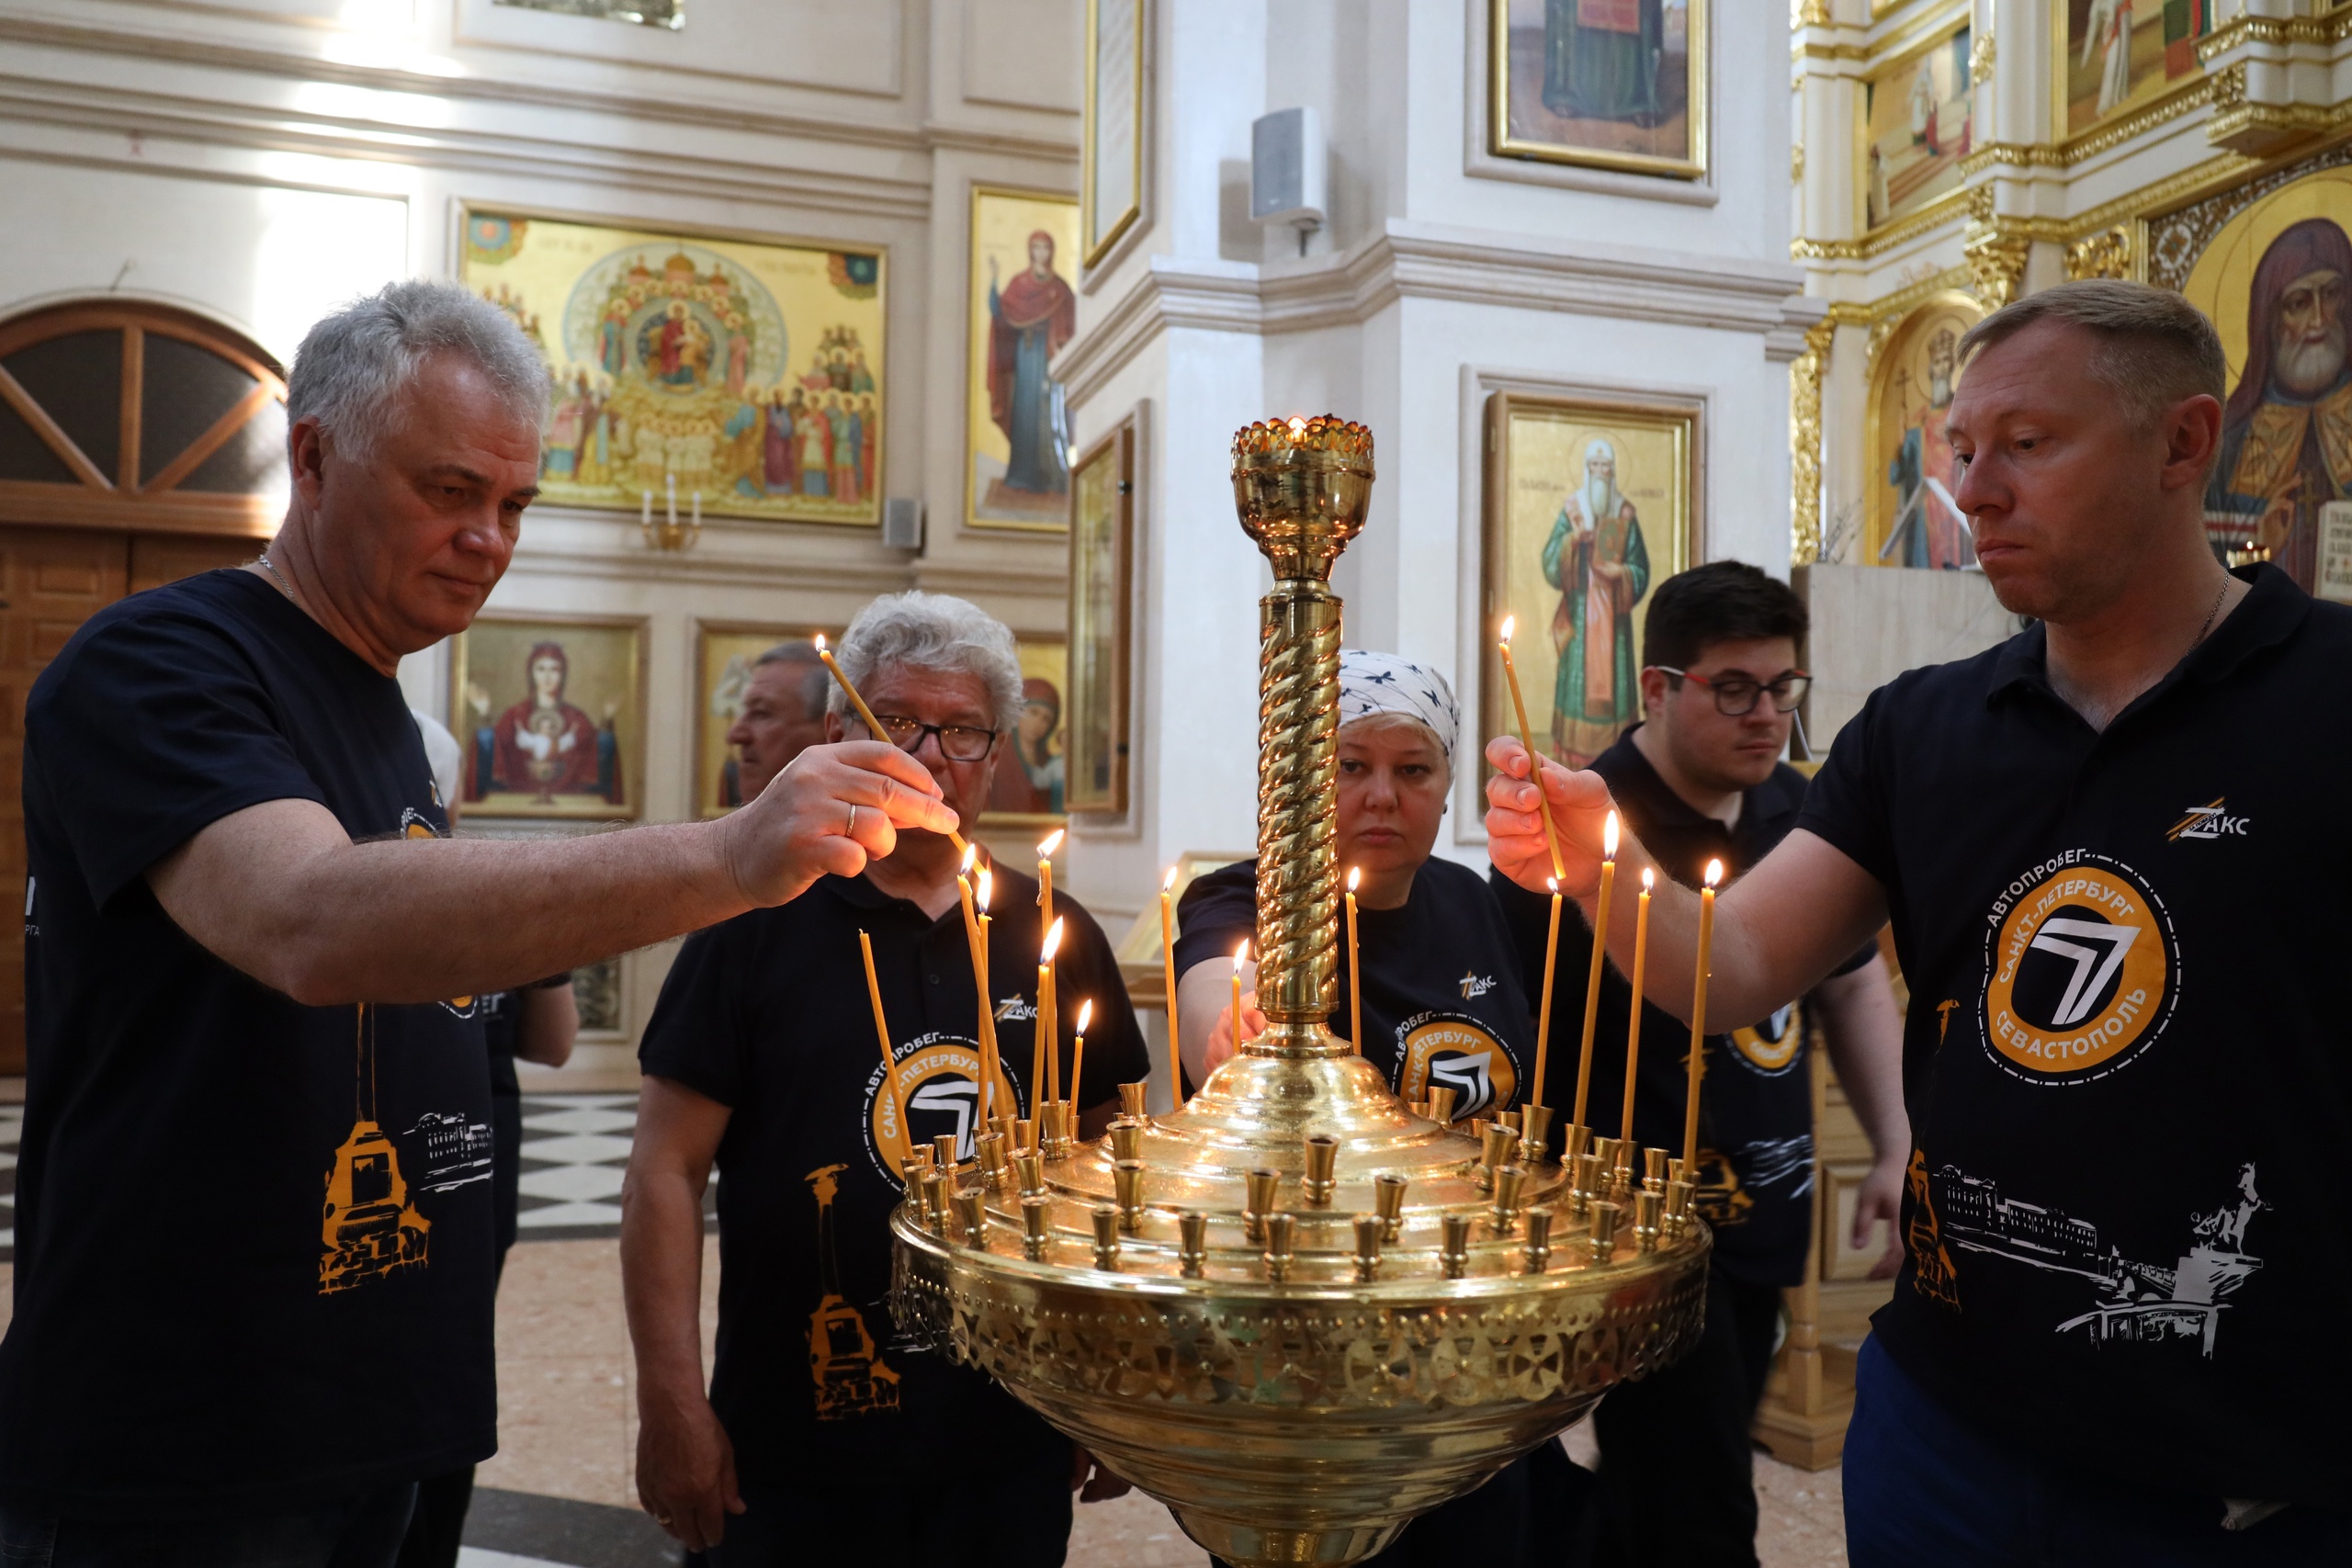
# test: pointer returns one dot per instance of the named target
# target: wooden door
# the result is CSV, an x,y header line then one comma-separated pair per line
x,y
52,579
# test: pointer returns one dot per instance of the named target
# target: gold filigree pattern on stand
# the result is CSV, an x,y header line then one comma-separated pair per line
x,y
1805,442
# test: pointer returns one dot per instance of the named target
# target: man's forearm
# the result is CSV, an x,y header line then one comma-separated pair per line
x,y
1865,1039
661,1288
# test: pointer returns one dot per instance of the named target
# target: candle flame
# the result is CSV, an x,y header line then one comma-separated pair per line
x,y
1241,955
1049,844
1554,884
1168,882
1608,836
1052,940
1355,875
1085,1014
987,887
1509,623
819,640
971,853
1649,880
1714,871
1297,425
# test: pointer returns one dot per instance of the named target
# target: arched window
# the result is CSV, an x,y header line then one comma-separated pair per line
x,y
139,416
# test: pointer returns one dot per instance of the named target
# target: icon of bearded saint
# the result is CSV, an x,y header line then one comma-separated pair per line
x,y
2287,431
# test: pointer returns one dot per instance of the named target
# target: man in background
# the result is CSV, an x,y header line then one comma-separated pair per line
x,y
783,715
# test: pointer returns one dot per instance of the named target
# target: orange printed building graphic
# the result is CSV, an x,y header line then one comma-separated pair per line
x,y
1932,1274
852,1378
369,1227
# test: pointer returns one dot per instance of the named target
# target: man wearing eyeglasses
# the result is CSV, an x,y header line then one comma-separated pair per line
x,y
1701,779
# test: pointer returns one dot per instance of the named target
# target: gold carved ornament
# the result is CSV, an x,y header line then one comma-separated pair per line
x,y
1805,372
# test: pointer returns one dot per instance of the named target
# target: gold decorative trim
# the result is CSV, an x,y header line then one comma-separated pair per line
x,y
1942,210
2100,139
2107,254
1805,442
1980,60
2274,30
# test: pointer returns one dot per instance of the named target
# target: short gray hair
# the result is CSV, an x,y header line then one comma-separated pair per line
x,y
814,680
2156,349
354,364
936,632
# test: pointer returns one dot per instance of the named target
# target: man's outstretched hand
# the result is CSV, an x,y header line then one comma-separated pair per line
x,y
1515,821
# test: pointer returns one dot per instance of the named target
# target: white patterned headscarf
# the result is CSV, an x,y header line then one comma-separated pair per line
x,y
1374,684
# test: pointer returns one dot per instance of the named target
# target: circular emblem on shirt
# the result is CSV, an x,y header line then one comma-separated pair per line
x,y
2081,972
1452,1050
1769,1045
933,1089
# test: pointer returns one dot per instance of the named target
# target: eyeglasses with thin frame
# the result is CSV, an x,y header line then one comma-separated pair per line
x,y
957,742
1736,696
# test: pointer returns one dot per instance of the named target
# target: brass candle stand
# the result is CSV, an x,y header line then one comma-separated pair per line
x,y
1293,1312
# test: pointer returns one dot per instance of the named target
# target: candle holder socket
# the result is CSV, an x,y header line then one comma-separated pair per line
x,y
1646,1205
1192,1249
1494,1149
1574,1141
1583,1187
1131,1102
1025,1136
1681,1200
1654,1171
1106,1236
1440,1104
1369,1228
1538,1251
1420,1108
934,1200
1034,1232
1262,1185
989,1149
1453,1257
1029,1174
1278,1244
1512,1120
1126,1140
1388,1203
972,1208
1604,1230
1127,1176
1510,1180
1621,1175
910,1172
1053,1129
1535,1132
1322,1162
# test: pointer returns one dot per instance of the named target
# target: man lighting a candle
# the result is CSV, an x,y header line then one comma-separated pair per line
x,y
2114,1338
762,1060
1441,996
1701,779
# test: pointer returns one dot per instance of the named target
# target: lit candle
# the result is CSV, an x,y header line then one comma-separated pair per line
x,y
873,724
1699,1023
982,893
1045,848
670,493
1240,956
1527,739
1544,1010
881,1029
1355,967
983,1032
697,512
1167,975
1634,1028
1599,960
1077,1058
645,516
1049,1064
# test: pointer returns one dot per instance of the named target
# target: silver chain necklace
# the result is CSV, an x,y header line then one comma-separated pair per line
x,y
2200,631
283,586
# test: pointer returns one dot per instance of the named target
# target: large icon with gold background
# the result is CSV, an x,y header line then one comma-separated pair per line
x,y
1913,519
2273,278
747,375
2118,55
1589,505
1032,770
550,716
1917,124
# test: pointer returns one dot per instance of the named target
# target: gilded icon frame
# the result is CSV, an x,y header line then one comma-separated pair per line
x,y
1671,429
624,691
1101,575
1938,34
1502,143
1099,232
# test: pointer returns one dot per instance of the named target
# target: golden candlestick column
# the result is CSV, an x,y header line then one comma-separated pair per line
x,y
1218,1363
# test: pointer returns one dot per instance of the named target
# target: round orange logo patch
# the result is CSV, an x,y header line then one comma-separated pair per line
x,y
935,1089
2080,971
1450,1050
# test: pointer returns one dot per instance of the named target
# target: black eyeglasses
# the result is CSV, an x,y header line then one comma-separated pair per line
x,y
1736,696
957,742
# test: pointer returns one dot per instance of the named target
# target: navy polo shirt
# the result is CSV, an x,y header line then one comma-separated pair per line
x,y
2127,1083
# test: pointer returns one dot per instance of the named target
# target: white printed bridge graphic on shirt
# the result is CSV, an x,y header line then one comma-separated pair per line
x,y
2132,1301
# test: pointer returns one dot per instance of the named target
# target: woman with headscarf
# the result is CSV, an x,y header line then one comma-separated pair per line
x,y
1442,1007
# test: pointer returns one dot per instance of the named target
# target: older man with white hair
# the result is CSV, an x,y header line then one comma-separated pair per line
x,y
761,1061
253,1230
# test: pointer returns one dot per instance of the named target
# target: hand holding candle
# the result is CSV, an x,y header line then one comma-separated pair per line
x,y
1699,1023
1534,758
1355,968
865,714
1634,1027
1167,975
1600,961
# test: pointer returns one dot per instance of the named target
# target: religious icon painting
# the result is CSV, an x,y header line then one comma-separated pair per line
x,y
596,989
792,690
1589,505
1032,761
2273,278
2118,55
1915,123
740,377
1023,308
550,716
1610,84
1111,181
1913,519
1102,544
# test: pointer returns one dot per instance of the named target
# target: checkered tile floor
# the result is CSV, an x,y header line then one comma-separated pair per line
x,y
575,1148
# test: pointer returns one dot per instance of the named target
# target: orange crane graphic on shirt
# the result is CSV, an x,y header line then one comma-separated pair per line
x,y
852,1378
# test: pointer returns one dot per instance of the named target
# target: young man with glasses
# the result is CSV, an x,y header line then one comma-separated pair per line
x,y
761,1060
1701,779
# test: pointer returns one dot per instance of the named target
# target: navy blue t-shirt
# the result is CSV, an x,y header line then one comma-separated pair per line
x,y
253,1237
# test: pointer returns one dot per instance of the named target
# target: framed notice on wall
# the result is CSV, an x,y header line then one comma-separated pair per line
x,y
1101,546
